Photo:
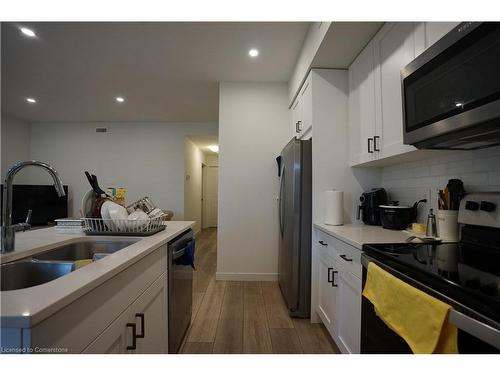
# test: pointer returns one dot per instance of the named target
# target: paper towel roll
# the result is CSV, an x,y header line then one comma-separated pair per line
x,y
334,207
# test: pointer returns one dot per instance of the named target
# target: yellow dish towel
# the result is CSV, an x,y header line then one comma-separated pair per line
x,y
421,320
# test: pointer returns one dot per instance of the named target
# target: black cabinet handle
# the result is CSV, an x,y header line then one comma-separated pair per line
x,y
141,317
343,256
375,143
370,151
134,337
298,129
323,243
331,276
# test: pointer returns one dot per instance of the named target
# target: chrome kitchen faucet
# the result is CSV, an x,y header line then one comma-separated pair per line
x,y
9,230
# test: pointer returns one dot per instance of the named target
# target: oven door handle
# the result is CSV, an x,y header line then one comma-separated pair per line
x,y
475,328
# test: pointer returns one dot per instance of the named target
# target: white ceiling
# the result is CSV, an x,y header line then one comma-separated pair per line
x,y
166,71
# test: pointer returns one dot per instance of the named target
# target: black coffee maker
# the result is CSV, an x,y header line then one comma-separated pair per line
x,y
369,208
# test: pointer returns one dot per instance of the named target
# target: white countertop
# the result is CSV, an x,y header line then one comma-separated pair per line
x,y
359,234
27,307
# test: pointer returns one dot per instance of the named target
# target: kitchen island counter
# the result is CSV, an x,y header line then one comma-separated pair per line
x,y
27,307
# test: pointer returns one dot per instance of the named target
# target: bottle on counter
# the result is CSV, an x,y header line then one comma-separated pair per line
x,y
120,195
431,224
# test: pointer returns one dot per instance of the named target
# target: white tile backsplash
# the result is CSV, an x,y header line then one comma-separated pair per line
x,y
409,182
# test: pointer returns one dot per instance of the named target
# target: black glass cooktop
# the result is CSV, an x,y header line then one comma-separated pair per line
x,y
469,273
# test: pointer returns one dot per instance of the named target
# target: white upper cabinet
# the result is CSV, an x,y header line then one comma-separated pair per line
x,y
295,115
301,111
375,92
306,103
394,48
362,107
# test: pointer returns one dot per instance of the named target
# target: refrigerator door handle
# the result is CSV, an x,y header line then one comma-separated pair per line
x,y
281,201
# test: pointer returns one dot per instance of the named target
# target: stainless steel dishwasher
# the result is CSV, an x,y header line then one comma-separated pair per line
x,y
180,290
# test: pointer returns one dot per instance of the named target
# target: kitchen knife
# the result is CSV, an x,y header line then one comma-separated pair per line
x,y
91,182
100,191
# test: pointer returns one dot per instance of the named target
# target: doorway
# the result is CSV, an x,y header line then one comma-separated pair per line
x,y
209,195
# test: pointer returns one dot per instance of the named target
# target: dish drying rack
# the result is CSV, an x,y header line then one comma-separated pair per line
x,y
123,227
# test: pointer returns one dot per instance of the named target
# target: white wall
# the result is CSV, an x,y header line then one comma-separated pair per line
x,y
145,158
15,146
253,128
212,160
192,183
330,149
408,182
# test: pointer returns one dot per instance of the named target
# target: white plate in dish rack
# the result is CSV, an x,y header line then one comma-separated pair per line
x,y
87,200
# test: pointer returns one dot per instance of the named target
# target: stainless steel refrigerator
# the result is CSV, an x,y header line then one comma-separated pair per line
x,y
295,172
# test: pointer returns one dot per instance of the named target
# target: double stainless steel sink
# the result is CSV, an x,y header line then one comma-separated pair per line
x,y
54,263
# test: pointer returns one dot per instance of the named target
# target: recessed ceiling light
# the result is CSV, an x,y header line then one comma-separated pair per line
x,y
31,100
120,99
214,148
27,32
459,104
253,52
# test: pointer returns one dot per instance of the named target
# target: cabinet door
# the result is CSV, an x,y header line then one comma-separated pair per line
x,y
328,292
306,107
394,48
149,313
115,338
362,107
349,327
296,118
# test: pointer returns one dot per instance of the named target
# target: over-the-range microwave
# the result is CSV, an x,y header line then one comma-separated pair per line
x,y
451,92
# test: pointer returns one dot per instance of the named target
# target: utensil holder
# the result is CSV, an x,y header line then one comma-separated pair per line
x,y
447,225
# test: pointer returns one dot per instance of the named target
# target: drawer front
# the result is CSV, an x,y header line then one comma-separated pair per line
x,y
347,256
325,244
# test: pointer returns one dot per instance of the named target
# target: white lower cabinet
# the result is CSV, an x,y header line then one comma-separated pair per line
x,y
349,312
328,292
141,328
339,292
104,319
150,316
115,339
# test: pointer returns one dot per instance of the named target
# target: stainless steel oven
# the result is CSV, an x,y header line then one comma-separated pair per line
x,y
451,92
476,333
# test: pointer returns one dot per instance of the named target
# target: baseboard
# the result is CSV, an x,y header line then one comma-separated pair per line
x,y
229,276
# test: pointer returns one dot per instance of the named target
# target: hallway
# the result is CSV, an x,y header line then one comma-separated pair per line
x,y
244,316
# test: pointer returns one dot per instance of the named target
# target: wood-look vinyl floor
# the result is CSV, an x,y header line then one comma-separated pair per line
x,y
244,316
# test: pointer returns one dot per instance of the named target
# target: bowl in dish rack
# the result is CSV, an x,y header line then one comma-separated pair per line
x,y
137,220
